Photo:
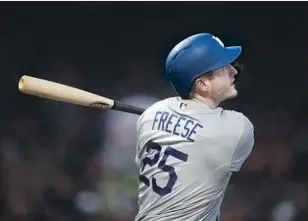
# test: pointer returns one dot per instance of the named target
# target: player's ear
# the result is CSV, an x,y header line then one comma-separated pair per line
x,y
202,84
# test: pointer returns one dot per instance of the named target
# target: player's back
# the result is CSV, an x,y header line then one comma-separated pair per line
x,y
186,154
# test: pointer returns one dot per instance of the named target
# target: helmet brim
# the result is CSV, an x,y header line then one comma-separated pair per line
x,y
231,54
227,56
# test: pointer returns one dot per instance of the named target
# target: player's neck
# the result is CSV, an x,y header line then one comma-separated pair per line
x,y
207,101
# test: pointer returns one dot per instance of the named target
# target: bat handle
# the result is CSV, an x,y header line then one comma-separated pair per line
x,y
127,108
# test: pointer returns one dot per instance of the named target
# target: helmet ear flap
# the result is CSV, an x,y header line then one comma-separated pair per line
x,y
239,68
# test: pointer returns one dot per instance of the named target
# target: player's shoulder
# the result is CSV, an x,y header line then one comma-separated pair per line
x,y
237,117
158,105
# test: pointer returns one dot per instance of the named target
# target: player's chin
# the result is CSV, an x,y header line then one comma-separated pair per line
x,y
232,93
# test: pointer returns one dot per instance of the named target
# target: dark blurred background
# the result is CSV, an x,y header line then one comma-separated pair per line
x,y
61,162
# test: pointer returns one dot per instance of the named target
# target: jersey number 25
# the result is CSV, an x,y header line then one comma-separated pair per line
x,y
162,166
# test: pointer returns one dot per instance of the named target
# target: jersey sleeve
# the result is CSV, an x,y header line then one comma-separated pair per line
x,y
244,146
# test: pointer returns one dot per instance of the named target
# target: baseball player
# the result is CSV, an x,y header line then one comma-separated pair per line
x,y
188,147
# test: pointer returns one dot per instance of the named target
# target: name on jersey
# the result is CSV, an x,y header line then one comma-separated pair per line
x,y
175,124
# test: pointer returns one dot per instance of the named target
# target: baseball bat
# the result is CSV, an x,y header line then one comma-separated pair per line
x,y
64,93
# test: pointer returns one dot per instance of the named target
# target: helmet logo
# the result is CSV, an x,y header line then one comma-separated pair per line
x,y
219,41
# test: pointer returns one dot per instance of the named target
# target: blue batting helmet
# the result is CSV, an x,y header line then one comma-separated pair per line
x,y
194,56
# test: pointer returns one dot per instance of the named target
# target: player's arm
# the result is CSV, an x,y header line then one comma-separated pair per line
x,y
244,146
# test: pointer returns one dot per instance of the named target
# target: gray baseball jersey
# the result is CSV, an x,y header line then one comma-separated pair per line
x,y
186,153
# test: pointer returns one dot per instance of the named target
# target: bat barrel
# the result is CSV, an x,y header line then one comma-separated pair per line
x,y
64,93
